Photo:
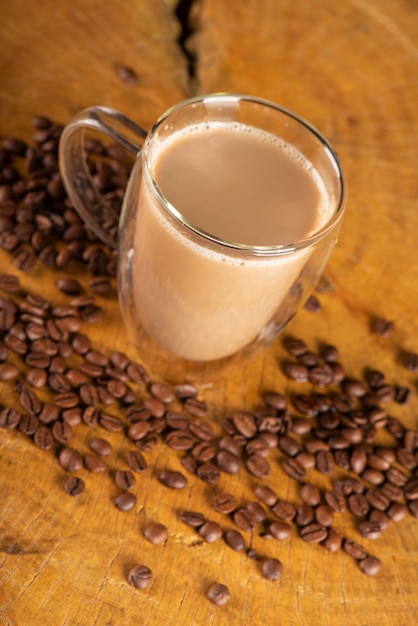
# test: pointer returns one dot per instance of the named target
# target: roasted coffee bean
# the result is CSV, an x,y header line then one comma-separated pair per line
x,y
306,460
224,503
296,371
137,373
370,529
245,423
124,479
304,515
370,565
204,451
410,361
201,429
172,479
94,464
189,463
397,511
324,461
74,486
335,500
192,518
90,417
358,504
72,417
100,446
210,531
162,392
411,489
9,283
333,540
155,407
125,501
70,459
116,388
29,400
69,286
358,460
313,533
383,327
209,473
295,346
234,540
228,462
305,404
156,533
289,445
266,495
9,418
66,400
271,568
28,424
310,494
258,466
219,594
195,407
62,432
413,507
8,371
138,430
43,438
284,510
136,461
80,343
244,520
280,530
294,469
405,457
324,515
397,477
110,422
354,549
140,576
177,439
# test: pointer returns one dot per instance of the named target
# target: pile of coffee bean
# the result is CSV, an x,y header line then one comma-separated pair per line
x,y
332,428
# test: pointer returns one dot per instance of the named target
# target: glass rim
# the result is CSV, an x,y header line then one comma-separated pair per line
x,y
270,250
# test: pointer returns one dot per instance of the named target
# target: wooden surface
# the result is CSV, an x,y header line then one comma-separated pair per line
x,y
351,69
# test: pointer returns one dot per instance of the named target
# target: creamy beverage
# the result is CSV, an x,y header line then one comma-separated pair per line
x,y
241,185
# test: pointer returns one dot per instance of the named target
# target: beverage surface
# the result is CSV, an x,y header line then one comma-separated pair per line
x,y
240,184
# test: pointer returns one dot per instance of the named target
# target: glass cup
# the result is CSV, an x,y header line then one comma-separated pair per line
x,y
193,302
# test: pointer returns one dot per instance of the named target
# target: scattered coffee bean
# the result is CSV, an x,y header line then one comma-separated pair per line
x,y
370,565
156,533
234,539
172,479
210,531
219,594
125,501
140,576
271,568
74,486
192,518
224,503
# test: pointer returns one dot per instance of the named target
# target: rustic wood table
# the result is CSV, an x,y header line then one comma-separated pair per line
x,y
350,68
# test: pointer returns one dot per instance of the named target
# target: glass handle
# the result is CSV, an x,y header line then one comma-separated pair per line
x,y
92,206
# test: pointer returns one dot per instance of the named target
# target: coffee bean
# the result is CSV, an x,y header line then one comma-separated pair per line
x,y
201,429
295,346
411,489
383,327
410,361
271,568
413,508
284,510
224,503
94,464
69,286
74,486
124,479
195,407
172,479
313,533
156,533
70,459
245,423
136,461
140,576
219,594
176,439
370,565
280,530
310,494
29,401
266,495
9,418
204,451
377,499
358,504
244,520
62,432
324,515
228,462
125,501
110,422
380,518
354,549
335,501
234,540
333,540
209,473
137,373
28,424
192,518
296,371
304,515
294,469
210,531
9,283
8,371
324,462
100,446
43,438
397,511
370,529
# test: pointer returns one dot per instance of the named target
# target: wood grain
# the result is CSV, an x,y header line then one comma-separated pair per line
x,y
348,67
